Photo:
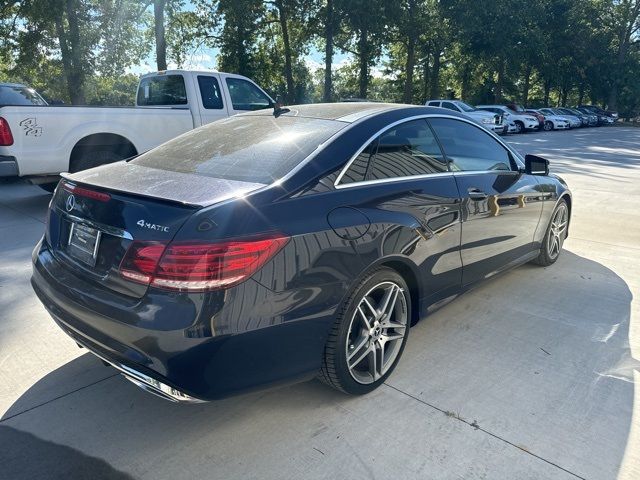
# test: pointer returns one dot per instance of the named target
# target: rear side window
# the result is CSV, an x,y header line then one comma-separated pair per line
x,y
162,90
403,151
19,95
256,149
210,92
469,148
407,150
246,96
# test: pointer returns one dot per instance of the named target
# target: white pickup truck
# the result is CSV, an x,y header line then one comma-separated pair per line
x,y
41,141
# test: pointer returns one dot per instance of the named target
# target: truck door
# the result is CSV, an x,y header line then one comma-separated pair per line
x,y
244,95
212,104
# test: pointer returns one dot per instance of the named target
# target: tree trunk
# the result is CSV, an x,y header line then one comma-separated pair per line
x,y
466,80
411,56
328,53
409,67
425,78
288,69
161,42
434,92
500,82
526,86
547,91
363,57
69,42
581,93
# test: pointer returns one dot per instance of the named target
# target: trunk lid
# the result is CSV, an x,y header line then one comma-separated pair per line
x,y
97,214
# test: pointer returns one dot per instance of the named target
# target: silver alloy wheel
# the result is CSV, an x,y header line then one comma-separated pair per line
x,y
548,126
519,127
557,231
376,332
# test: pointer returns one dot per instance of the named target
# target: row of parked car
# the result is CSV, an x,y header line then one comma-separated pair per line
x,y
513,118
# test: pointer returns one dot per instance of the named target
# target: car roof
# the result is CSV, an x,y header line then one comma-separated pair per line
x,y
343,112
9,84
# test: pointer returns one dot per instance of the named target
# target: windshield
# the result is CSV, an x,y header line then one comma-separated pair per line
x,y
465,107
257,149
19,95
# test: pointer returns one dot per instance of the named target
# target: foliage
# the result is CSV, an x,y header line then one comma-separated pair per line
x,y
537,52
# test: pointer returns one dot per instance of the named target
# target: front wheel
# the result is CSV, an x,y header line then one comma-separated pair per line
x,y
548,126
554,238
369,334
519,127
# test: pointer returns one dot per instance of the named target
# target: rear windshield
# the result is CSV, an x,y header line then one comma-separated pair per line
x,y
19,95
162,90
258,149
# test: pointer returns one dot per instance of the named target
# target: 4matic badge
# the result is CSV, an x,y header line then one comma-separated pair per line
x,y
152,226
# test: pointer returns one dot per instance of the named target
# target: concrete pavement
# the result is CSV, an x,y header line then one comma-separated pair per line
x,y
531,375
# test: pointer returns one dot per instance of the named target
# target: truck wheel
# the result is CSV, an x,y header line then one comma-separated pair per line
x,y
92,158
48,187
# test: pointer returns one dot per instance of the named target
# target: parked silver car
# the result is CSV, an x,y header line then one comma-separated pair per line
x,y
493,122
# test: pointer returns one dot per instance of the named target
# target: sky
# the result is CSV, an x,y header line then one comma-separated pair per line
x,y
204,58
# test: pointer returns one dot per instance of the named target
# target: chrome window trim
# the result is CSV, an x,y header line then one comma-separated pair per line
x,y
393,180
338,185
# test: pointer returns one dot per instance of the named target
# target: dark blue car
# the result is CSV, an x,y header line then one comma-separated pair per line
x,y
277,246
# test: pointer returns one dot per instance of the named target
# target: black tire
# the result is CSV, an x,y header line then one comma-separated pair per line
x,y
335,371
548,126
519,127
89,158
549,256
48,187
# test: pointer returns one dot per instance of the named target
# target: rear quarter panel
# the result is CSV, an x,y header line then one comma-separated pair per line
x,y
45,136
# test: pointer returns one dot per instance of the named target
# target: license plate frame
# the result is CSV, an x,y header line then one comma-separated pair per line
x,y
83,243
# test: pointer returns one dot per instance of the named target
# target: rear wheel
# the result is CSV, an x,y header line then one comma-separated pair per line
x,y
369,334
554,238
90,157
519,127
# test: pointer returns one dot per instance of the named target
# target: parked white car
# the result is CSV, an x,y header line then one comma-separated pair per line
x,y
492,122
574,121
522,121
553,121
40,142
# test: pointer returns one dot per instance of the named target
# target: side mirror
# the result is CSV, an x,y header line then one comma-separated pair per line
x,y
534,165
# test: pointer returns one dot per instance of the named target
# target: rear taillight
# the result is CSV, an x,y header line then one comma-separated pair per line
x,y
85,192
6,138
195,266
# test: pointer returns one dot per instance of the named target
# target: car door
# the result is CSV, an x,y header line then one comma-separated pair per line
x,y
403,186
245,96
501,206
212,105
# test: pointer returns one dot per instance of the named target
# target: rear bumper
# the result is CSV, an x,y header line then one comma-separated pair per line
x,y
186,349
8,166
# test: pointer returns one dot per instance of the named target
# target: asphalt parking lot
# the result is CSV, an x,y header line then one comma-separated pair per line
x,y
531,375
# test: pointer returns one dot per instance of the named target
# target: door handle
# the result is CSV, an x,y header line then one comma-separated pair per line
x,y
477,194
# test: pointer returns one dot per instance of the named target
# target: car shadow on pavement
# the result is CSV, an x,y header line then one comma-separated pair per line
x,y
540,358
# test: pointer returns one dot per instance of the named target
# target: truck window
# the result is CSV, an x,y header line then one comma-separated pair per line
x,y
162,90
246,96
19,95
210,92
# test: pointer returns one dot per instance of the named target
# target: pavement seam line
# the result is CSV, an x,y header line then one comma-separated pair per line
x,y
58,397
475,426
